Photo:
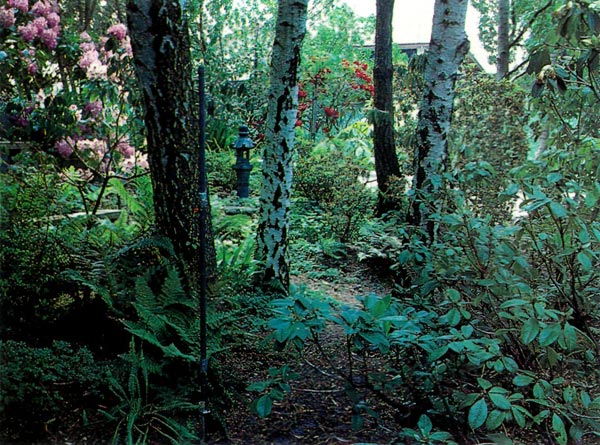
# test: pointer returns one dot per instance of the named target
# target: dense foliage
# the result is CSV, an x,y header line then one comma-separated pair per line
x,y
490,332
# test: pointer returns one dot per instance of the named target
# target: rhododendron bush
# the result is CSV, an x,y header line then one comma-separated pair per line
x,y
68,93
332,97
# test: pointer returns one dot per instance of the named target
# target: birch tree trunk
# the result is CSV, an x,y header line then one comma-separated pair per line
x,y
447,49
273,225
386,161
502,60
161,52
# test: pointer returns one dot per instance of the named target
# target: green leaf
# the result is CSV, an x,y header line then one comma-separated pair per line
x,y
585,261
522,380
511,190
513,303
558,426
484,384
576,433
258,386
263,406
500,401
558,210
425,424
495,419
438,353
530,330
517,412
452,317
478,414
554,177
357,421
570,336
550,334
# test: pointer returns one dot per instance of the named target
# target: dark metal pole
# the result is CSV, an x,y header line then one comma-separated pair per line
x,y
203,278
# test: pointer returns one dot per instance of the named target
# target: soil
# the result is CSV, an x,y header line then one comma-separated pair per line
x,y
317,411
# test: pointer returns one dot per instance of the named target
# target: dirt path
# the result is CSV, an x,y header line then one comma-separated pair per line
x,y
317,411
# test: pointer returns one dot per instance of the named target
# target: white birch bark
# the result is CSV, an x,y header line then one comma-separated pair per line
x,y
447,49
273,226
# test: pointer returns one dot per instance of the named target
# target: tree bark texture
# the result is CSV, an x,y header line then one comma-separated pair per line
x,y
502,60
447,49
386,161
273,225
161,51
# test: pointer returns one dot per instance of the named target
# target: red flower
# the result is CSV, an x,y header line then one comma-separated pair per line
x,y
298,123
302,94
332,113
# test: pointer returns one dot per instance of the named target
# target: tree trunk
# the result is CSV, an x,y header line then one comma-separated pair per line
x,y
273,226
386,161
447,49
503,42
161,51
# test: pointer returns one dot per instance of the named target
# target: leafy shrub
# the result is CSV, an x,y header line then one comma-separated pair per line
x,y
333,177
39,382
493,324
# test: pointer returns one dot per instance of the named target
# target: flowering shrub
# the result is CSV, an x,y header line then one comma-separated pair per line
x,y
69,93
332,99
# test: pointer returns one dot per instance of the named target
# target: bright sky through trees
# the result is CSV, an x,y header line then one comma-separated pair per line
x,y
412,23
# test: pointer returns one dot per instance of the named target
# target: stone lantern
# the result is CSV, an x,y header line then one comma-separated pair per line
x,y
242,146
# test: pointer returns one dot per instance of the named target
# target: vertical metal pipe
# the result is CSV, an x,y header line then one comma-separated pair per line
x,y
203,278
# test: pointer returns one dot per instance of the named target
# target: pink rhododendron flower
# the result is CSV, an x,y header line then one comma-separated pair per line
x,y
22,5
88,58
94,108
125,149
118,31
50,38
97,70
53,19
64,148
7,17
28,32
41,8
41,24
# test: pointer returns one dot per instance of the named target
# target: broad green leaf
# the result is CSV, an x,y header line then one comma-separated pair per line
x,y
513,303
495,419
484,384
530,330
522,380
425,424
585,261
585,398
452,317
558,210
511,190
576,433
517,412
478,414
570,336
438,353
500,401
558,426
549,334
258,386
263,406
554,177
